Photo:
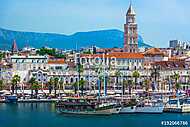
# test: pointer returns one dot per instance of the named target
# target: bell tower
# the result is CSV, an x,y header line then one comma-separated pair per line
x,y
130,32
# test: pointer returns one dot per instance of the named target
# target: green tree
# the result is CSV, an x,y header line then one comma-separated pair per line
x,y
136,75
117,74
82,84
177,86
50,84
56,82
31,82
2,55
52,52
1,85
176,77
75,86
128,84
15,81
61,83
80,70
34,85
146,85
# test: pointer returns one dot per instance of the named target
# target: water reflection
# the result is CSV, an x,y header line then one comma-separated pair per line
x,y
32,107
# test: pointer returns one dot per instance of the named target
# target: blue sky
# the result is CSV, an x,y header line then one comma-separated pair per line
x,y
158,20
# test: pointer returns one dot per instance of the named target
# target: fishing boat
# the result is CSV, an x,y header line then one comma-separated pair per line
x,y
178,105
85,106
11,98
149,106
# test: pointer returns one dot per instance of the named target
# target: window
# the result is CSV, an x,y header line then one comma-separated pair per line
x,y
71,80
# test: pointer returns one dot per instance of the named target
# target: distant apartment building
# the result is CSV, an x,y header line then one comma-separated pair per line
x,y
30,66
6,72
57,67
179,44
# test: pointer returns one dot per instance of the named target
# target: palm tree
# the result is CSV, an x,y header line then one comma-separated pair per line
x,y
60,84
81,84
56,82
177,86
1,85
128,84
146,85
75,86
117,74
35,86
32,81
50,84
176,77
80,69
136,75
15,80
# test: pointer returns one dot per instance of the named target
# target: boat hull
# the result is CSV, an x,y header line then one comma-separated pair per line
x,y
149,109
130,109
177,110
95,112
11,99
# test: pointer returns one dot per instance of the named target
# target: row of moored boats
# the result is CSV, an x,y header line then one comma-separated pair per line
x,y
93,106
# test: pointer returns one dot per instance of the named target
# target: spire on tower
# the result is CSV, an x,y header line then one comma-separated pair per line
x,y
14,47
130,10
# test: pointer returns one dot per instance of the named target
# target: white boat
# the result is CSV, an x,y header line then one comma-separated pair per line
x,y
149,107
127,109
177,105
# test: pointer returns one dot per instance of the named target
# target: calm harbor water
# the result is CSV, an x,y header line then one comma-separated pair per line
x,y
44,115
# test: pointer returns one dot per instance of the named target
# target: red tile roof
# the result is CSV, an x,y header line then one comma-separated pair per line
x,y
119,55
56,61
171,64
154,51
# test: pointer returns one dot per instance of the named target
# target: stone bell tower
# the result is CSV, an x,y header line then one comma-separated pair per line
x,y
130,32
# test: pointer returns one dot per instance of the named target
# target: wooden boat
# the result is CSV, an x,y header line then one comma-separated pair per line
x,y
84,106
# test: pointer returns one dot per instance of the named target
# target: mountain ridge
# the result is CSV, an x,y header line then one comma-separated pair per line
x,y
101,38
